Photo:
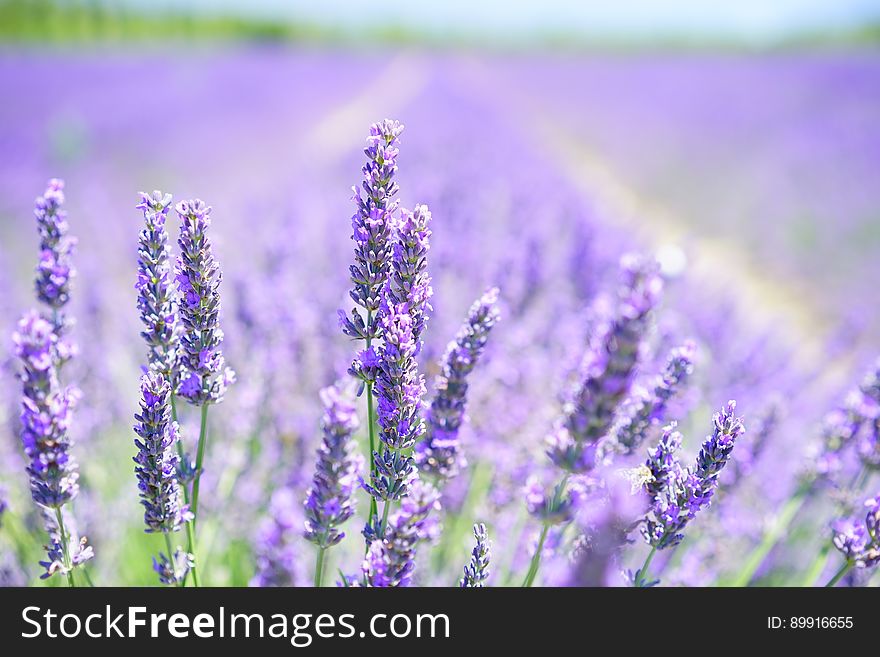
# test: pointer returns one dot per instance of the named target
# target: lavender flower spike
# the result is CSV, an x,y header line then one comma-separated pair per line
x,y
173,570
859,541
391,559
46,414
686,492
607,370
204,376
439,453
54,271
648,407
160,491
477,571
330,500
371,230
155,291
662,467
409,282
399,389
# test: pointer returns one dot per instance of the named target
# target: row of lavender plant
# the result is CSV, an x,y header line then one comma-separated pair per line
x,y
413,446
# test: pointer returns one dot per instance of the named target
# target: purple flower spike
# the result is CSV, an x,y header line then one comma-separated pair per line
x,y
154,286
204,376
391,559
678,495
608,367
371,230
46,414
157,460
662,466
859,540
279,562
330,501
399,389
173,570
477,571
439,453
868,445
646,408
54,271
409,282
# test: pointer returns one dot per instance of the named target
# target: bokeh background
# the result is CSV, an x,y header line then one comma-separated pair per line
x,y
738,142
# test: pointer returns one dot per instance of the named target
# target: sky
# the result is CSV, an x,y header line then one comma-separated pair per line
x,y
749,19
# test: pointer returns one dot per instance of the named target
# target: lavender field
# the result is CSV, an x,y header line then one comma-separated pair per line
x,y
586,320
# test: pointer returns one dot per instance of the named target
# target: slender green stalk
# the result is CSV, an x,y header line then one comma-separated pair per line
x,y
374,509
385,511
844,569
643,571
200,457
190,542
371,428
817,567
772,536
194,506
180,451
536,557
535,563
170,551
65,547
319,567
85,571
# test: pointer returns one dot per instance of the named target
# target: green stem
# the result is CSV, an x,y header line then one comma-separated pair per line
x,y
191,548
374,509
200,457
844,569
181,452
772,536
385,511
535,563
536,558
817,567
319,567
194,505
643,571
170,551
65,547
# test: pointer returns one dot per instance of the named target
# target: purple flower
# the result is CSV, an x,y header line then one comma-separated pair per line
x,y
399,389
662,467
390,559
371,230
859,541
868,445
477,571
154,286
54,271
55,555
558,508
646,407
46,415
608,366
409,283
330,500
439,452
278,559
157,460
173,569
204,376
855,422
684,492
